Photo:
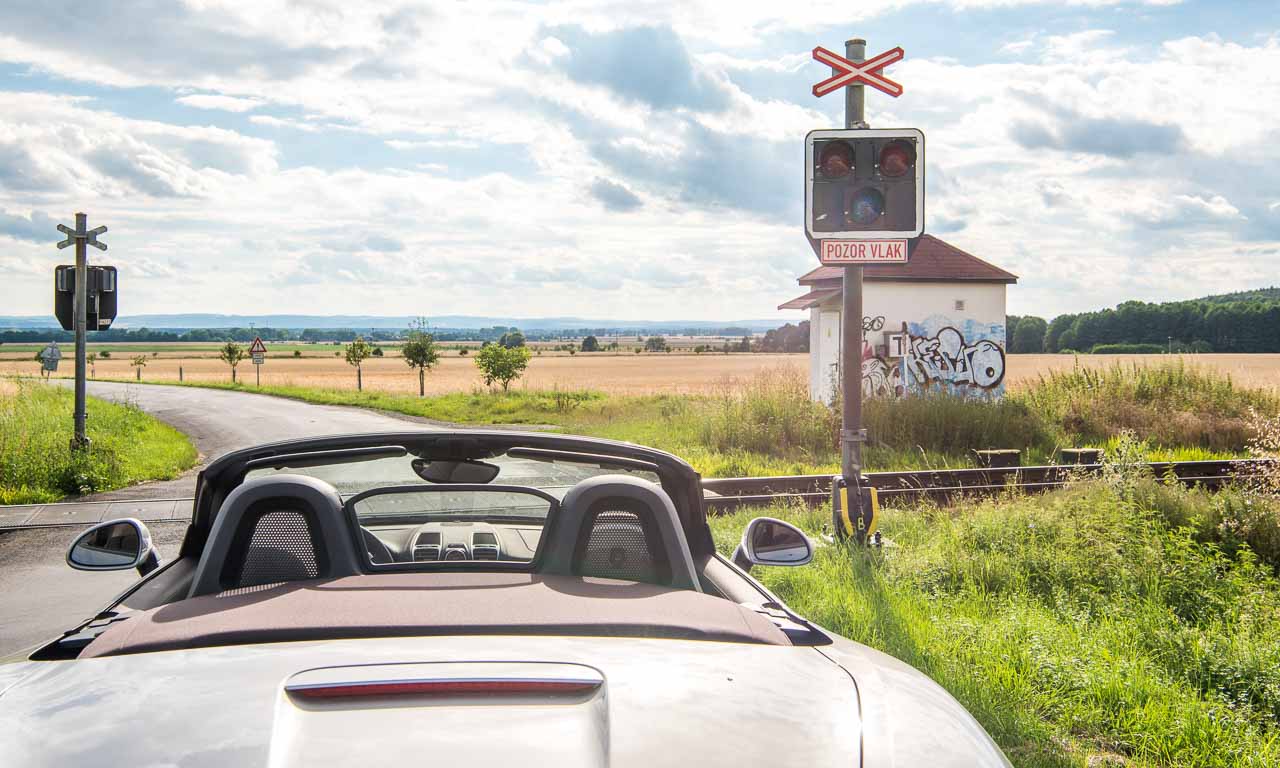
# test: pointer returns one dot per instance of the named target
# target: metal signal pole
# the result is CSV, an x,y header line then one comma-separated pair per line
x,y
81,238
81,302
852,435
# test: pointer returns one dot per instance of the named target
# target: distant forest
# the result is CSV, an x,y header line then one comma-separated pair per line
x,y
1235,322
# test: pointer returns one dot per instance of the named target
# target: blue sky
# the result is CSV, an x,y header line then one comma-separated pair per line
x,y
625,160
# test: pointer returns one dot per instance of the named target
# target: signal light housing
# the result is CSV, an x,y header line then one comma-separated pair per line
x,y
864,184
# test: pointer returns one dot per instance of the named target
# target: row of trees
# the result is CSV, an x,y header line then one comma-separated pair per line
x,y
498,364
1197,326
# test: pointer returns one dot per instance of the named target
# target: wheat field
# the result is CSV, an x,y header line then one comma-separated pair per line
x,y
624,374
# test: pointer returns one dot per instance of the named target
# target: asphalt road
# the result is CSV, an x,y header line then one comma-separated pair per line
x,y
219,420
40,595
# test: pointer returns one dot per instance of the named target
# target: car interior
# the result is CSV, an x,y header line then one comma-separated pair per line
x,y
444,536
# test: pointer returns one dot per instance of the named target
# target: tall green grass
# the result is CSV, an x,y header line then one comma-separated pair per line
x,y
769,426
1169,405
37,465
1087,627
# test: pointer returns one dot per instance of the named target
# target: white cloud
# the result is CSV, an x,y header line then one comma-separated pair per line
x,y
218,101
433,83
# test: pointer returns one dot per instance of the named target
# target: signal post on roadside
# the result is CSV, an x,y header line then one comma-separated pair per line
x,y
80,237
864,204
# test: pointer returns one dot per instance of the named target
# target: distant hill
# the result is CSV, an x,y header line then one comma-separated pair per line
x,y
1261,294
182,322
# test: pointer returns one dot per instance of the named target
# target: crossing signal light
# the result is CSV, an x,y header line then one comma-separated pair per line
x,y
101,297
864,184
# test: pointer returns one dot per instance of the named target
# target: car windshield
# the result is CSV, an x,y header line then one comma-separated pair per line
x,y
554,474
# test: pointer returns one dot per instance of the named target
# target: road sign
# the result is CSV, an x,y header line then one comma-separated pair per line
x,y
90,237
258,351
49,357
838,253
848,73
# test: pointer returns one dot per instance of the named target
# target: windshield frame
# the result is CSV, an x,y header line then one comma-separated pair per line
x,y
223,475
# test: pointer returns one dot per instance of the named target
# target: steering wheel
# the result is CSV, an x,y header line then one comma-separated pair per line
x,y
378,551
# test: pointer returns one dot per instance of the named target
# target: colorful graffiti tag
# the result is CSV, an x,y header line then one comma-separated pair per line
x,y
945,358
881,378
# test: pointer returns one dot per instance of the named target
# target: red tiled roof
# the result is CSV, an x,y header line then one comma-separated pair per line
x,y
932,260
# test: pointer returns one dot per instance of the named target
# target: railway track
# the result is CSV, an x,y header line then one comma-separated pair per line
x,y
945,485
721,494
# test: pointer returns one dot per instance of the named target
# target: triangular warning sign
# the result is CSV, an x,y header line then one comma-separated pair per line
x,y
257,347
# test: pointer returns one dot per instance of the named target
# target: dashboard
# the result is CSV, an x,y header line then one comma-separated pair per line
x,y
447,541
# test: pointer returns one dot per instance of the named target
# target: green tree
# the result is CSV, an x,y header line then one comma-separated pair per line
x,y
501,364
139,362
356,353
655,344
1028,339
511,339
231,354
420,351
591,344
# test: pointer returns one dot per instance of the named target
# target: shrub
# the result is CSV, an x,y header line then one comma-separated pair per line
x,y
502,364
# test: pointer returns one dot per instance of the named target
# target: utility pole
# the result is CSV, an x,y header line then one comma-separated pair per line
x,y
852,434
81,237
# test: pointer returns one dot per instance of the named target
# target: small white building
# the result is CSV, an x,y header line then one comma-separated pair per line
x,y
936,323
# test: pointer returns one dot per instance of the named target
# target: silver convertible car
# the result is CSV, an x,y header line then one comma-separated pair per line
x,y
468,598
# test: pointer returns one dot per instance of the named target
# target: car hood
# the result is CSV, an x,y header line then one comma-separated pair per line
x,y
658,703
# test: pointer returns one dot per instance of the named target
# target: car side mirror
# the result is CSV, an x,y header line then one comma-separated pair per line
x,y
768,541
115,545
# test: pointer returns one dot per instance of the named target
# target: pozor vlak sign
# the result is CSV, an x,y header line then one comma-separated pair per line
x,y
864,193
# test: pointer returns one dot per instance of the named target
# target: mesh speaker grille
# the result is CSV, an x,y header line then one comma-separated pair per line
x,y
280,549
618,549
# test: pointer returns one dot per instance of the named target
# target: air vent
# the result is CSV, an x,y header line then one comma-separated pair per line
x,y
484,546
426,552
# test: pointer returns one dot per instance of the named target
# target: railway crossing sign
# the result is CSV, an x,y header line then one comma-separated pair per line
x,y
864,204
90,237
846,72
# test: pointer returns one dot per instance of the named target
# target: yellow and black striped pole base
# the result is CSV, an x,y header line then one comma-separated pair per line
x,y
854,510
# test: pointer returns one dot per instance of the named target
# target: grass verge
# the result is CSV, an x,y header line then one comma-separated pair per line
x,y
36,465
768,425
1095,626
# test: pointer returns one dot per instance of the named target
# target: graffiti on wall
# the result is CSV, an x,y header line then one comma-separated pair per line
x,y
881,378
947,358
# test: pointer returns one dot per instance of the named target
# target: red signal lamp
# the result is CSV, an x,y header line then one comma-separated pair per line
x,y
836,160
896,158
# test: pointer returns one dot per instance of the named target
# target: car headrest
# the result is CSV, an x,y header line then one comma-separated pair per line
x,y
275,529
620,527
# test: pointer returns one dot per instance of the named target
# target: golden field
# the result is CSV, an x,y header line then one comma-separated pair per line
x,y
625,374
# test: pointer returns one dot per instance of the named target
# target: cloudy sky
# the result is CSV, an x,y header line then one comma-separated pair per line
x,y
624,159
